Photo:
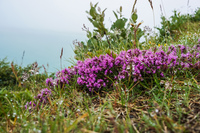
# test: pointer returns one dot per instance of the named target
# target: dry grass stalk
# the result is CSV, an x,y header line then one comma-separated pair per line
x,y
15,73
61,53
22,57
61,58
150,1
133,9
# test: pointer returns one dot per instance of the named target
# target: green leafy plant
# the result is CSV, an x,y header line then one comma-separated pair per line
x,y
120,36
196,16
171,27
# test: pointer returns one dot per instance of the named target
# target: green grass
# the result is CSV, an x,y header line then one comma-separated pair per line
x,y
172,106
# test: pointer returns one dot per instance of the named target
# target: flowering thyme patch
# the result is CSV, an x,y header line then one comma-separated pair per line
x,y
95,73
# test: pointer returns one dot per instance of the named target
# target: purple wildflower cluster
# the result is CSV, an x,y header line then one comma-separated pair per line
x,y
95,73
30,105
42,97
63,77
91,73
98,72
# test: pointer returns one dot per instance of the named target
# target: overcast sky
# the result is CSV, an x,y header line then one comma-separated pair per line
x,y
70,15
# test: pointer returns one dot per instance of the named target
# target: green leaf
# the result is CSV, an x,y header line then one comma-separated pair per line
x,y
93,12
89,34
119,24
103,12
134,17
89,43
91,20
96,4
114,56
94,41
96,24
102,18
102,15
115,14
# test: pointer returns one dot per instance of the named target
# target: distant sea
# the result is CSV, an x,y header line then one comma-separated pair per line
x,y
38,45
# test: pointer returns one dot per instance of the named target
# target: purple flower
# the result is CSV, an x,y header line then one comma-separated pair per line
x,y
42,97
95,73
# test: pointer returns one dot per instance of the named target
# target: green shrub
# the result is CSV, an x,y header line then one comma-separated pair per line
x,y
120,36
7,76
14,76
196,16
171,28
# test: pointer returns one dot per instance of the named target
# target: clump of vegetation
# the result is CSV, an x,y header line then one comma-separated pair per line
x,y
7,73
152,86
120,36
195,17
13,75
171,28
